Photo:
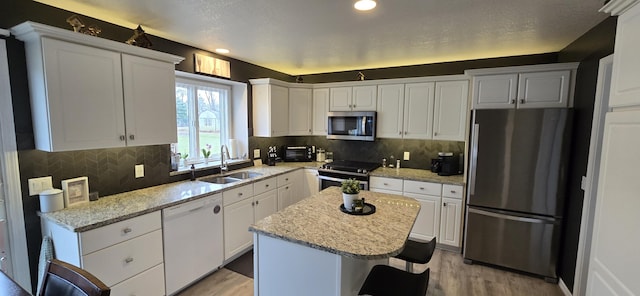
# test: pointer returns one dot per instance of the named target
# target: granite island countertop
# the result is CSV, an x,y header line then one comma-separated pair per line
x,y
114,208
417,175
317,222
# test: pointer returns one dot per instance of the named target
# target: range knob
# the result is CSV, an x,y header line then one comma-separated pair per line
x,y
361,171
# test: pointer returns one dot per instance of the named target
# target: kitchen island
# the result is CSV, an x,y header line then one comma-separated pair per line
x,y
312,248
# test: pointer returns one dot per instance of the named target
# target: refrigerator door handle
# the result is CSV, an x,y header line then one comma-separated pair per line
x,y
474,158
514,218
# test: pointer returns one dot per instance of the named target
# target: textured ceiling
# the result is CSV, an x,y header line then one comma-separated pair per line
x,y
305,37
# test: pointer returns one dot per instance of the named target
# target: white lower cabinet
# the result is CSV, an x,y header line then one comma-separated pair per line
x,y
311,184
290,188
126,255
237,219
440,213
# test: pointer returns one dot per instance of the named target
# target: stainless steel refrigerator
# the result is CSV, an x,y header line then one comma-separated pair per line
x,y
515,198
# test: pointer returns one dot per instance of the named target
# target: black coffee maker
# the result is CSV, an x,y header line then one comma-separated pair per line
x,y
447,164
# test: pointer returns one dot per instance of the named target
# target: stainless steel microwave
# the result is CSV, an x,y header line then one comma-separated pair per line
x,y
351,125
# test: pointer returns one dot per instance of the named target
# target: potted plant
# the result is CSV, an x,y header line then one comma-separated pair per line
x,y
350,189
206,152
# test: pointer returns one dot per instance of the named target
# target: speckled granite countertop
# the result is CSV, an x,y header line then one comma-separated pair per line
x,y
317,222
114,208
417,175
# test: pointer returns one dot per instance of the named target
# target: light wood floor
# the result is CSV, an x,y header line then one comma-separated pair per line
x,y
448,276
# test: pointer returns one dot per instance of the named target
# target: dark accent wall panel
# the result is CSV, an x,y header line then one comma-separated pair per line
x,y
588,50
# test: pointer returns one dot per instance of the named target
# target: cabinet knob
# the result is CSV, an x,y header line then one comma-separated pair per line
x,y
253,203
132,137
385,184
257,202
126,230
239,193
435,133
421,188
122,137
286,179
521,101
309,130
400,133
444,204
266,185
128,260
405,132
513,101
453,191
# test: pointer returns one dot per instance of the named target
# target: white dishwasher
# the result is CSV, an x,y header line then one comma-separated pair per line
x,y
193,241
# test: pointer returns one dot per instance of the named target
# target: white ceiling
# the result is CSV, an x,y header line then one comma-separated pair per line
x,y
305,37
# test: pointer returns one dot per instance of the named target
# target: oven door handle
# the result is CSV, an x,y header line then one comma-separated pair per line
x,y
331,178
365,184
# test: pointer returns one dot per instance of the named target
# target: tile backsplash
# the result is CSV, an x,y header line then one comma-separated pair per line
x,y
421,151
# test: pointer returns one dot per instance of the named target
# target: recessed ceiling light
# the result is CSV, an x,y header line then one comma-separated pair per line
x,y
222,50
365,5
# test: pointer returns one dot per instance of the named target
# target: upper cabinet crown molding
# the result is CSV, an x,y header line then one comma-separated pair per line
x,y
31,31
522,69
617,7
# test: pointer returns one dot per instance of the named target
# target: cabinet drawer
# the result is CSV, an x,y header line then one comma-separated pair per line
x,y
148,283
422,187
124,260
285,179
237,194
453,191
386,183
264,186
112,234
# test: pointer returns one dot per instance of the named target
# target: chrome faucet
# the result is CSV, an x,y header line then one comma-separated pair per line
x,y
224,157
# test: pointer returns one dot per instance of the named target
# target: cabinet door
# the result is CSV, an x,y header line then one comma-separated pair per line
x,y
614,247
390,111
427,224
418,110
149,282
450,114
311,183
265,204
80,105
320,109
544,89
285,196
625,85
279,111
149,100
450,222
364,98
340,99
237,219
300,111
495,91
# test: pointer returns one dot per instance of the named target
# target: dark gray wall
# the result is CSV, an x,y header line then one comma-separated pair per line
x,y
588,50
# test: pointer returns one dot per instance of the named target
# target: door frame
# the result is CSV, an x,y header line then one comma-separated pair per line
x,y
590,184
19,257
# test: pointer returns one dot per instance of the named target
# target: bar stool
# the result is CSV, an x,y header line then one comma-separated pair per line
x,y
384,280
417,252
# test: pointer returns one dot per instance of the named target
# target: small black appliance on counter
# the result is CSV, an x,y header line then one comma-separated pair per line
x,y
299,153
447,164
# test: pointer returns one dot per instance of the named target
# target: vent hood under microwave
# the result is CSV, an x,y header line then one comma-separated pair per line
x,y
351,125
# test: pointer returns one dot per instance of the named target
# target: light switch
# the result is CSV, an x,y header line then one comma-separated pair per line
x,y
406,155
37,185
139,170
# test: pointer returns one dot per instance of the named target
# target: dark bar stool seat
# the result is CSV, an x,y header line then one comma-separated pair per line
x,y
384,280
417,252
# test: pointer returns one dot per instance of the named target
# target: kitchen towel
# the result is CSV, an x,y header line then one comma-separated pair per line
x,y
46,254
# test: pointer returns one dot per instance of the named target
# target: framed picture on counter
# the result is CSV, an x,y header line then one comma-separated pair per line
x,y
76,191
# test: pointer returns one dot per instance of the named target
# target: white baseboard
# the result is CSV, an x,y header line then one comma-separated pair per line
x,y
564,288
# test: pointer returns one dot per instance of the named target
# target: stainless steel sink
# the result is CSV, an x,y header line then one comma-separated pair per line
x,y
219,180
244,175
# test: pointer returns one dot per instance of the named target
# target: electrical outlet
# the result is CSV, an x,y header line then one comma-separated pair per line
x,y
37,185
256,153
406,155
139,170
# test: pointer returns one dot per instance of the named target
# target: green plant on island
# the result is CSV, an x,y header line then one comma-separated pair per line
x,y
350,186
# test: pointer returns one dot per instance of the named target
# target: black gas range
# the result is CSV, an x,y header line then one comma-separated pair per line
x,y
333,173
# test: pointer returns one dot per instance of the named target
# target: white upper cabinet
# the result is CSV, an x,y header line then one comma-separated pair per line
x,y
539,86
543,89
390,111
300,111
625,85
418,110
495,91
149,93
89,92
270,110
450,111
320,109
353,98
